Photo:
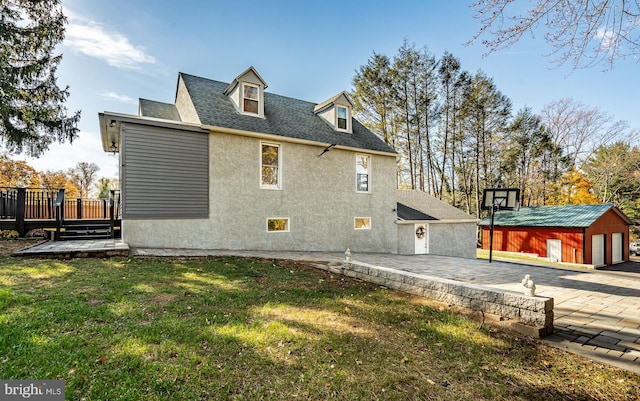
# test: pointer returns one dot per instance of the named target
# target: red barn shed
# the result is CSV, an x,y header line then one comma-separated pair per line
x,y
586,234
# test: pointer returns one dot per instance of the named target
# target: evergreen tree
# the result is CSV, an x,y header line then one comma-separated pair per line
x,y
32,112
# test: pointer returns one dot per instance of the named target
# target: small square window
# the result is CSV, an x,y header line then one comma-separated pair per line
x,y
280,224
250,99
362,223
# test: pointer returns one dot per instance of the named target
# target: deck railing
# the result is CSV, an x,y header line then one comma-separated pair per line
x,y
20,205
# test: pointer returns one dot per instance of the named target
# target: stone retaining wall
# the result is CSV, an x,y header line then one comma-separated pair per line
x,y
533,315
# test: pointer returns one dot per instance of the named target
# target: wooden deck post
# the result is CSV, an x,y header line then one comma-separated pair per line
x,y
59,214
21,203
112,196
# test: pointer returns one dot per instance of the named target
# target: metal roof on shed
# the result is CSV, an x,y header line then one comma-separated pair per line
x,y
553,216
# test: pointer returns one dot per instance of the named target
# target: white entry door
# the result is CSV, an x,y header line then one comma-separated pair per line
x,y
421,233
597,250
616,248
554,250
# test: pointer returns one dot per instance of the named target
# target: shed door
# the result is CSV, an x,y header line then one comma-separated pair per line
x,y
597,250
554,250
616,248
421,234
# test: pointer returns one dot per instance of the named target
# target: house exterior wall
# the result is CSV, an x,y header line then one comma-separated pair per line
x,y
608,224
444,238
184,104
453,239
534,240
164,172
317,194
406,238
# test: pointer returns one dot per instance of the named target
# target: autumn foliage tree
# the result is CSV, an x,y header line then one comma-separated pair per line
x,y
572,189
17,173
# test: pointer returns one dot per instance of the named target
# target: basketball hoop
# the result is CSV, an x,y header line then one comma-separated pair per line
x,y
495,199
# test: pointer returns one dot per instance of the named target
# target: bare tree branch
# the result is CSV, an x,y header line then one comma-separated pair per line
x,y
583,33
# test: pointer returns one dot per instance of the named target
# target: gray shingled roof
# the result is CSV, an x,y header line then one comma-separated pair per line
x,y
166,111
409,213
426,207
284,116
581,216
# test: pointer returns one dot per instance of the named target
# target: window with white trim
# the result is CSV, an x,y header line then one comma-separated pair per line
x,y
250,99
363,172
362,223
342,118
278,224
270,166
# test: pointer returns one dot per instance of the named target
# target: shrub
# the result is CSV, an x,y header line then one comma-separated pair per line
x,y
37,233
9,234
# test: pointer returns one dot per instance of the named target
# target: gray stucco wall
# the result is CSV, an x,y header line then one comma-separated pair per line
x,y
453,239
318,195
185,106
446,239
406,239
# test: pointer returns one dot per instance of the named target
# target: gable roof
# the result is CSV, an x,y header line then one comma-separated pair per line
x,y
579,216
151,108
283,116
332,100
418,205
246,72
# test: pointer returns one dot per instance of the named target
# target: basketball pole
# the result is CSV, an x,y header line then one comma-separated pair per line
x,y
493,211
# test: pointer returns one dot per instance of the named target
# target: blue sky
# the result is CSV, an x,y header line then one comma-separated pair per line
x,y
120,50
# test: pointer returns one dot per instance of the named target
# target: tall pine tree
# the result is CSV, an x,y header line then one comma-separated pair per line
x,y
32,111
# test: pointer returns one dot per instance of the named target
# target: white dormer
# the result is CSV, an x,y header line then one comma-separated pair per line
x,y
337,112
246,92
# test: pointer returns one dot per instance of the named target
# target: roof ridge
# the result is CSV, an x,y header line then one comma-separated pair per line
x,y
266,92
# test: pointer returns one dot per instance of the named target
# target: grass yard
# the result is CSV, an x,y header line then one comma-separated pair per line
x,y
249,329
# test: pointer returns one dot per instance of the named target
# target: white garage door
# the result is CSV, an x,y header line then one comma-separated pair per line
x,y
597,250
616,248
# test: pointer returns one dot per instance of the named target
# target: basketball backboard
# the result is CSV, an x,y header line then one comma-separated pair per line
x,y
501,198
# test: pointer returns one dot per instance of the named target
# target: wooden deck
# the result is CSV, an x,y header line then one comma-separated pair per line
x,y
26,209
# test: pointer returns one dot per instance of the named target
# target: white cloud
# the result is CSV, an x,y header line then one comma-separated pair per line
x,y
118,98
91,38
606,37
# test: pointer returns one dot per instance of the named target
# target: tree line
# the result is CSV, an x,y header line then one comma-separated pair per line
x,y
457,134
80,181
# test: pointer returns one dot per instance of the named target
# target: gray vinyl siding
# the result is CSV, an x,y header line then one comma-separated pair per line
x,y
165,173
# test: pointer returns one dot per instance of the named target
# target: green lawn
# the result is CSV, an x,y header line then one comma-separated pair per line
x,y
247,329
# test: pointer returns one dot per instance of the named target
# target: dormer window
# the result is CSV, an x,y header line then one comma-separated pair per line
x,y
246,92
336,112
251,99
342,117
